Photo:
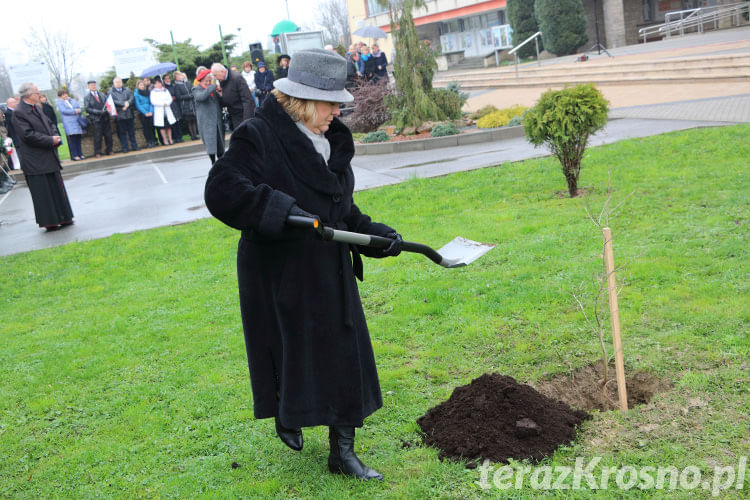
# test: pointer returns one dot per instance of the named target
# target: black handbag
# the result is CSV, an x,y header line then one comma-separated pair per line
x,y
83,121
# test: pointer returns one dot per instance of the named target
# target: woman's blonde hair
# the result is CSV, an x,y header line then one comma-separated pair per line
x,y
299,109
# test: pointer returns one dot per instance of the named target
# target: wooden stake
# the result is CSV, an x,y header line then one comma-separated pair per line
x,y
614,316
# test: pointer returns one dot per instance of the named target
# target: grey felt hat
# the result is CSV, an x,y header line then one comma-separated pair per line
x,y
317,75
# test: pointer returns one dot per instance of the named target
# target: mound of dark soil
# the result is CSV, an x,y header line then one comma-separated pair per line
x,y
497,418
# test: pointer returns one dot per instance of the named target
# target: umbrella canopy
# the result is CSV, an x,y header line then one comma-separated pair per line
x,y
370,32
158,69
285,26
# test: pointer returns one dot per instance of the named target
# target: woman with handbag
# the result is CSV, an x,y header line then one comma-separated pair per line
x,y
72,123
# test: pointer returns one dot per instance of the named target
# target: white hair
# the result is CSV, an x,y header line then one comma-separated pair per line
x,y
217,67
26,88
328,47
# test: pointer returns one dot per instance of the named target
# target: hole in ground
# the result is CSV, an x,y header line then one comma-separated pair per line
x,y
582,388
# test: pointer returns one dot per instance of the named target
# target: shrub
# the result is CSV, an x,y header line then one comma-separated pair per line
x,y
449,102
377,136
486,110
515,121
522,19
500,118
563,25
564,120
443,129
455,87
370,110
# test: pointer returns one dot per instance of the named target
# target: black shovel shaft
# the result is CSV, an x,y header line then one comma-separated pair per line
x,y
367,240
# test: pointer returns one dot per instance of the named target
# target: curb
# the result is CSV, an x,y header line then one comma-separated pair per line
x,y
490,135
122,160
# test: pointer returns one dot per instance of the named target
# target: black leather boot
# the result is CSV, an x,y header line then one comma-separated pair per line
x,y
290,437
342,459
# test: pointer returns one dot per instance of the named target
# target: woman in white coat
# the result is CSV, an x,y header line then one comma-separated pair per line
x,y
162,101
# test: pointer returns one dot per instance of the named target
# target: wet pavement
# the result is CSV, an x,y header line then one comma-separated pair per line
x,y
161,192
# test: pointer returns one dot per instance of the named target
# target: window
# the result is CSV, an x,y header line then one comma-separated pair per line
x,y
374,8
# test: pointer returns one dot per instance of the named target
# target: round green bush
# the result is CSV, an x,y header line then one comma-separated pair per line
x,y
377,136
443,129
515,121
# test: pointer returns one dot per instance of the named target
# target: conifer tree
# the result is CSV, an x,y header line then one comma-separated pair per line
x,y
523,21
563,25
413,68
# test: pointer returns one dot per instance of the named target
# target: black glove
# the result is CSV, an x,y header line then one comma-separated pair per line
x,y
395,247
304,224
295,210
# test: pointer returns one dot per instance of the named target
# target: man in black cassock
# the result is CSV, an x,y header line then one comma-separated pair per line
x,y
37,144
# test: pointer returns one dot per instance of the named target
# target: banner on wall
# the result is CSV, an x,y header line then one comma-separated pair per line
x,y
38,73
132,60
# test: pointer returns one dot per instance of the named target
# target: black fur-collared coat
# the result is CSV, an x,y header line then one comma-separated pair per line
x,y
308,347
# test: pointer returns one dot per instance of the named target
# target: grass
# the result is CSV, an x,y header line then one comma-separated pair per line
x,y
124,370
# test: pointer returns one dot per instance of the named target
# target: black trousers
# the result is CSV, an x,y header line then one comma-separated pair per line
x,y
147,122
102,128
125,131
177,131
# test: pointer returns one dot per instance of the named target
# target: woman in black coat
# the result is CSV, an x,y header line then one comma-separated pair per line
x,y
308,347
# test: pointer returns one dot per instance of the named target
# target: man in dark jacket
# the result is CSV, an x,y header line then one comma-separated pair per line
x,y
12,103
37,145
95,103
283,69
235,94
124,101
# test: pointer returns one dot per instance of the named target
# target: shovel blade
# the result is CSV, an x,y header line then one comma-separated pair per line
x,y
462,252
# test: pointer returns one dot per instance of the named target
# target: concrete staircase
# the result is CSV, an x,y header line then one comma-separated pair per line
x,y
717,69
467,64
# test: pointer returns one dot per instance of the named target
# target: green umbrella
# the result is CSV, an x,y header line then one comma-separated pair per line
x,y
285,26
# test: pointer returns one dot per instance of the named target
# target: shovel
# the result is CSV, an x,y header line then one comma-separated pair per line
x,y
458,253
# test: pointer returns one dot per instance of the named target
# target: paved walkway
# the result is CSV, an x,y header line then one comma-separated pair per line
x,y
723,109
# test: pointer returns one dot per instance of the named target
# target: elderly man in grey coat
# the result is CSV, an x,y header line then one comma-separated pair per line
x,y
208,113
124,101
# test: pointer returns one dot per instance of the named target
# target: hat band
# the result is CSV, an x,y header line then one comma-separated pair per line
x,y
313,80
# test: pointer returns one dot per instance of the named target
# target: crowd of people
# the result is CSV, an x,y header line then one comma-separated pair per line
x,y
216,101
364,65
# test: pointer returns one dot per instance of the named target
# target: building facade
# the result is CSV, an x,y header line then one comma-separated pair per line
x,y
479,27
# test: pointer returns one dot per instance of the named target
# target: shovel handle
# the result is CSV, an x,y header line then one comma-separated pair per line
x,y
367,240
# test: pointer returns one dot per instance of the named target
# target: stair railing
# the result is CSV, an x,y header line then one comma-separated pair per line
x,y
514,50
695,18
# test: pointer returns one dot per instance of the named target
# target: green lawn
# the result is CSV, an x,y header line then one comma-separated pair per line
x,y
123,365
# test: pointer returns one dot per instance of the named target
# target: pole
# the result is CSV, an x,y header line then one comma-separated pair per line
x,y
596,27
287,8
174,51
614,316
223,48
